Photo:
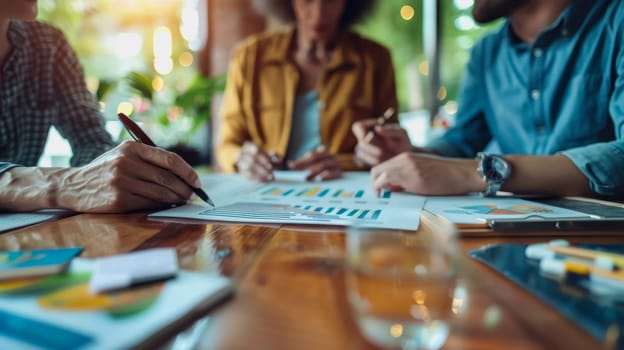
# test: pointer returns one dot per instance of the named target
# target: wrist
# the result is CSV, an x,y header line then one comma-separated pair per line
x,y
28,189
474,179
56,188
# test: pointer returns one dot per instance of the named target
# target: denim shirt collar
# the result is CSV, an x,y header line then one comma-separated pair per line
x,y
567,24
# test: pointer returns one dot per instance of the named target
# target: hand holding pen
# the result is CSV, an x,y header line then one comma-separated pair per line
x,y
381,121
320,163
379,141
138,135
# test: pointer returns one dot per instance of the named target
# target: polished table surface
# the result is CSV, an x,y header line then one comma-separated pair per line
x,y
290,288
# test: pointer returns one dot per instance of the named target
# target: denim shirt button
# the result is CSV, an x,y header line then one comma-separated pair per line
x,y
535,94
538,53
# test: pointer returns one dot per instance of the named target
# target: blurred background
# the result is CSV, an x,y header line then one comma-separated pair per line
x,y
164,62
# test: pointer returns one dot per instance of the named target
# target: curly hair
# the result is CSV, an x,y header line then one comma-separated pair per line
x,y
354,11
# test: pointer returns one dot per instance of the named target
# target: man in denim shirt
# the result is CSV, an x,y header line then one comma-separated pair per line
x,y
547,87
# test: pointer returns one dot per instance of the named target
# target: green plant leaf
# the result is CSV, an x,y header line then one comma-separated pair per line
x,y
141,83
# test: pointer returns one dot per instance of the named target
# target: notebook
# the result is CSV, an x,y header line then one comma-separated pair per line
x,y
59,312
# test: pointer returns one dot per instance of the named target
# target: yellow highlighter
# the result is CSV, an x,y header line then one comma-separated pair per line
x,y
616,260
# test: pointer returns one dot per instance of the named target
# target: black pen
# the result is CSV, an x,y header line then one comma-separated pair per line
x,y
140,136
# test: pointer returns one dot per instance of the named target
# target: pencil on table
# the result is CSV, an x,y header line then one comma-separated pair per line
x,y
379,122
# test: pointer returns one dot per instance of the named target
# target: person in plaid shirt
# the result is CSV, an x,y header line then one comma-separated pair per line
x,y
42,85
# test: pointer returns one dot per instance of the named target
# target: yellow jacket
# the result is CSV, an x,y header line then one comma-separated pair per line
x,y
358,83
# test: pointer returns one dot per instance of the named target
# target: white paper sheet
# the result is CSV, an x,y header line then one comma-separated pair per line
x,y
290,199
12,221
477,209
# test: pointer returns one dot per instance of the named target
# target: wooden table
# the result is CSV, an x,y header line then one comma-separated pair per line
x,y
290,284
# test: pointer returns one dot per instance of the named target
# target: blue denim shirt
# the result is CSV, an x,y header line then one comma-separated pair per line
x,y
562,94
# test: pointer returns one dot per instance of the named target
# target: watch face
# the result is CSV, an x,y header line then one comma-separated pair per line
x,y
500,168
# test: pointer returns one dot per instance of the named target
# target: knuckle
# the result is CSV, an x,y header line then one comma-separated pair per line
x,y
115,183
170,159
163,180
126,146
117,164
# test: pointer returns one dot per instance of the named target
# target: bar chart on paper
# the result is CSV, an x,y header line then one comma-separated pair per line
x,y
312,214
348,201
320,192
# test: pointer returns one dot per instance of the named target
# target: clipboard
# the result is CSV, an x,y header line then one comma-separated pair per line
x,y
601,215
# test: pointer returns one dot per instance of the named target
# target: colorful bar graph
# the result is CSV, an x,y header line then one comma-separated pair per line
x,y
364,213
312,192
272,191
317,192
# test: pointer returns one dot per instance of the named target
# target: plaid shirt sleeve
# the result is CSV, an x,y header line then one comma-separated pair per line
x,y
5,166
79,119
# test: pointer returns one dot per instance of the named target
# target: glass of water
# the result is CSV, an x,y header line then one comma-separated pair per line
x,y
401,286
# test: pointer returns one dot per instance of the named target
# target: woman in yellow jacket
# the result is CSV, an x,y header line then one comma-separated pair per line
x,y
293,95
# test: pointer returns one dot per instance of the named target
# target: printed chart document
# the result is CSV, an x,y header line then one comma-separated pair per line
x,y
59,312
290,199
478,210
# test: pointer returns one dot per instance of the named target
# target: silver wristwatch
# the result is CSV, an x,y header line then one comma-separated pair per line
x,y
494,170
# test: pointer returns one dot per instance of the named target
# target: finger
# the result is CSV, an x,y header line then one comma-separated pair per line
x,y
257,159
163,159
361,127
257,172
150,191
308,160
251,151
277,162
129,202
368,153
125,166
328,174
315,170
380,181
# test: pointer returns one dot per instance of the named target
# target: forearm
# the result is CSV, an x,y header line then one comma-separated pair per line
x,y
30,188
550,175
